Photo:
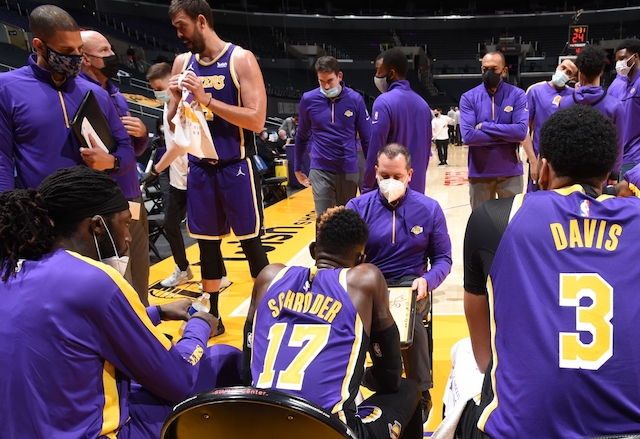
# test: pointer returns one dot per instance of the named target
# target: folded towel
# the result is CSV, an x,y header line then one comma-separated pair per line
x,y
191,129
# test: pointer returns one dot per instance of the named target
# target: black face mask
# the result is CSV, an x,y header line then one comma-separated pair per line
x,y
491,79
111,66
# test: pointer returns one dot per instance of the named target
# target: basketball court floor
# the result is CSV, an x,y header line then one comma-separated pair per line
x,y
290,227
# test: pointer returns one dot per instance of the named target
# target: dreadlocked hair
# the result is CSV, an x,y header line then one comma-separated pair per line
x,y
25,228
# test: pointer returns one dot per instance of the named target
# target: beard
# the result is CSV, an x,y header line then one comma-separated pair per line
x,y
197,42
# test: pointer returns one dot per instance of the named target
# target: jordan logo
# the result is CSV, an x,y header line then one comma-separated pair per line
x,y
240,172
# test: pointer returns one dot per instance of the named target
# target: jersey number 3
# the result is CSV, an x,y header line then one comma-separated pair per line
x,y
594,319
316,338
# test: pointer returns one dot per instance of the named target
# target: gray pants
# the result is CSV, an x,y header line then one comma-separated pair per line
x,y
332,189
138,268
483,189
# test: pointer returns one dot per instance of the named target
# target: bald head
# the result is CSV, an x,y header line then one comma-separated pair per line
x,y
93,40
96,48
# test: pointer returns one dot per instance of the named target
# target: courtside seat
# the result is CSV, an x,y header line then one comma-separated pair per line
x,y
247,412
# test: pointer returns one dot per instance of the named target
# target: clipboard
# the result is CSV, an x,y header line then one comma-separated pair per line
x,y
90,119
402,303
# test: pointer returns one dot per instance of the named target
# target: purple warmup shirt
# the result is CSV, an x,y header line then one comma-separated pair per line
x,y
607,105
542,101
327,128
308,339
493,149
35,131
404,238
128,182
565,328
630,98
402,116
618,86
68,356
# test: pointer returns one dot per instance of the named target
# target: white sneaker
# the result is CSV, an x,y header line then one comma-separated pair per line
x,y
178,277
224,283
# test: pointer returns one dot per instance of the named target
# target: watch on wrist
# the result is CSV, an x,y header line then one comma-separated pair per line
x,y
116,164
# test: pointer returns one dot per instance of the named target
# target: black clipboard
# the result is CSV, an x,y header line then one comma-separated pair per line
x,y
90,109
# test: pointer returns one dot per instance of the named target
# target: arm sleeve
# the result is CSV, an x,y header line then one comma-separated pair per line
x,y
380,126
139,144
515,131
364,126
468,122
7,181
386,372
125,149
438,252
143,353
303,133
247,351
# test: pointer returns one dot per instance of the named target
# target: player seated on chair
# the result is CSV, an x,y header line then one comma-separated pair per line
x,y
407,230
550,298
80,356
308,330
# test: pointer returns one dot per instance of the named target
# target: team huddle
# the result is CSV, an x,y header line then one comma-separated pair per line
x,y
548,286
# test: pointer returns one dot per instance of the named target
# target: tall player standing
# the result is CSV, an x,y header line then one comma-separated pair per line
x,y
221,194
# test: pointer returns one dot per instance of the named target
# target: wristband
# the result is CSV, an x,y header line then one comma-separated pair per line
x,y
116,164
153,170
209,103
160,312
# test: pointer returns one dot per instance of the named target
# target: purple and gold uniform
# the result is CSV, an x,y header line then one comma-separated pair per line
x,y
37,138
543,99
493,149
311,341
222,194
73,340
563,331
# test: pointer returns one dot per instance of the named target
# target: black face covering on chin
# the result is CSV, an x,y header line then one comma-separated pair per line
x,y
491,79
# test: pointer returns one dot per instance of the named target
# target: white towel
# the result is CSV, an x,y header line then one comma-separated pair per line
x,y
191,129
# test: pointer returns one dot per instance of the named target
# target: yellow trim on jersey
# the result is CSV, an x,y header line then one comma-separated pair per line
x,y
64,110
634,189
533,85
186,61
111,410
204,63
342,417
353,358
492,320
277,277
130,294
256,232
342,278
568,190
205,237
517,204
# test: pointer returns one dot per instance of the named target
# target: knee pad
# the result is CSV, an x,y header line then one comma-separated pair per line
x,y
255,254
211,263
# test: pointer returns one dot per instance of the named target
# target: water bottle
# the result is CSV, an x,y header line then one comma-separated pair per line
x,y
202,303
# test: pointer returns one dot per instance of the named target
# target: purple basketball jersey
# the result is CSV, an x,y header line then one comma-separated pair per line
x,y
308,339
566,359
220,81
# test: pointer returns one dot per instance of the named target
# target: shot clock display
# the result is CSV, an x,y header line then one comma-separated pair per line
x,y
578,37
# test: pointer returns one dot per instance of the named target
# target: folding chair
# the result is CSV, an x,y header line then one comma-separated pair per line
x,y
247,412
273,187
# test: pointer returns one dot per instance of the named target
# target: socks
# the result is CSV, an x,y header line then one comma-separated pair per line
x,y
214,304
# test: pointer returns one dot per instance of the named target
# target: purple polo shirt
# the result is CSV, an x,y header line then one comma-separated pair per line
x,y
618,86
542,101
493,149
128,182
604,103
327,128
35,131
630,98
405,237
400,115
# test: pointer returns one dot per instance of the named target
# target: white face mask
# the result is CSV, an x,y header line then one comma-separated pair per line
x,y
381,83
332,92
118,262
559,78
622,68
162,95
391,188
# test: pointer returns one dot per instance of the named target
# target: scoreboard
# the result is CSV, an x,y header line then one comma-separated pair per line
x,y
578,37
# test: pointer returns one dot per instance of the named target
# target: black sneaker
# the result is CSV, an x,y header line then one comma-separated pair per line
x,y
427,404
220,329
